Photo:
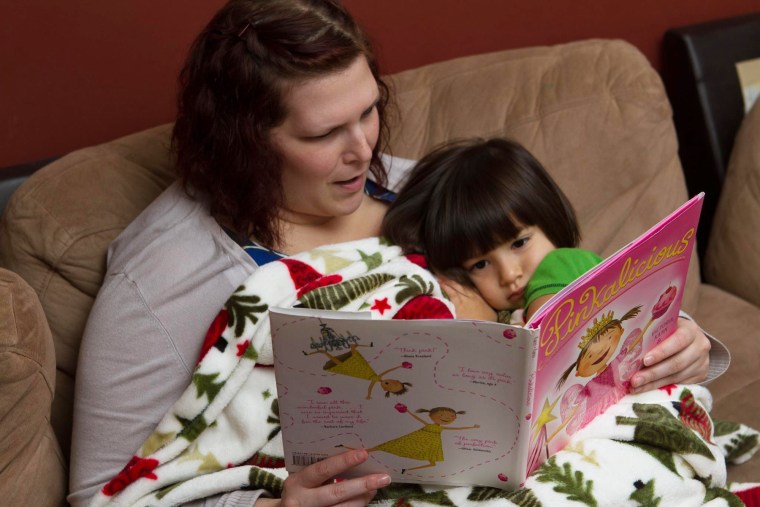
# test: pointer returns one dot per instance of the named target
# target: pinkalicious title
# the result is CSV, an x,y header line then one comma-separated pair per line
x,y
572,314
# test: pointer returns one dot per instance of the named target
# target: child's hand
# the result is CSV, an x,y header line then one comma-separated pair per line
x,y
468,302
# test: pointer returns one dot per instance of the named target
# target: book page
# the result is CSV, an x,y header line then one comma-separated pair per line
x,y
595,332
434,401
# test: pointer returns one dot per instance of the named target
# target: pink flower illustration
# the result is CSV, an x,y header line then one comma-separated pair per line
x,y
400,407
324,390
509,334
406,364
664,302
527,417
503,477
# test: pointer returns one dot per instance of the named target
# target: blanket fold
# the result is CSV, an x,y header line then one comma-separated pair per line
x,y
223,433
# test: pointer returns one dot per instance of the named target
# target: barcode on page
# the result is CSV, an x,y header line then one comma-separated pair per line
x,y
306,459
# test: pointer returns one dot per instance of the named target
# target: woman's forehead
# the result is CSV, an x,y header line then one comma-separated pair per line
x,y
330,100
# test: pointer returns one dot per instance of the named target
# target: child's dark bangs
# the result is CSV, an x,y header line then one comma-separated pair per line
x,y
484,220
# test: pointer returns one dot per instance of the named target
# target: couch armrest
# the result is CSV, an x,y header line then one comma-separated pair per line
x,y
733,256
32,465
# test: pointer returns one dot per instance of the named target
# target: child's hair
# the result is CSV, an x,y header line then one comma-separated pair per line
x,y
439,409
403,390
468,197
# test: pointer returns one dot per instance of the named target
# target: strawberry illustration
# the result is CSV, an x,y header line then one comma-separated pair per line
x,y
265,461
322,281
693,416
417,259
300,272
214,334
423,307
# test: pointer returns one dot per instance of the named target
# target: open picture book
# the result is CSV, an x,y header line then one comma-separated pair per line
x,y
466,402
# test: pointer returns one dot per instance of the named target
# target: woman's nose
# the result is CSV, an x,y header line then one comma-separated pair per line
x,y
360,148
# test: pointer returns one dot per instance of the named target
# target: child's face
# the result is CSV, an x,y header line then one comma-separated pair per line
x,y
443,417
501,274
391,385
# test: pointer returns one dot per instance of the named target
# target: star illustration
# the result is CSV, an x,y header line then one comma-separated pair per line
x,y
381,305
332,261
208,462
545,417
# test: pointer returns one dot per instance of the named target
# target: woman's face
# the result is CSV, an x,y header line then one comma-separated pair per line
x,y
326,142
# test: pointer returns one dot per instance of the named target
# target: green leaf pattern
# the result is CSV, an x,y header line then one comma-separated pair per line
x,y
335,297
656,426
567,481
242,307
411,287
645,496
204,384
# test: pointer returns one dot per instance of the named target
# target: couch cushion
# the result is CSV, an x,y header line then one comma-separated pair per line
x,y
736,322
56,230
734,243
31,464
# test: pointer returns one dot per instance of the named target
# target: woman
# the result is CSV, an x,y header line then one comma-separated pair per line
x,y
281,120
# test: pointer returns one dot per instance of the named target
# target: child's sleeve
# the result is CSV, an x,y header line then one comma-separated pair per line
x,y
557,270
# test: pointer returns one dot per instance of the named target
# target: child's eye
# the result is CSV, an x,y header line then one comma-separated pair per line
x,y
479,265
521,242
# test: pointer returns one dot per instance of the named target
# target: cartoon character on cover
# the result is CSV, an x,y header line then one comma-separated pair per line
x,y
424,444
353,364
580,404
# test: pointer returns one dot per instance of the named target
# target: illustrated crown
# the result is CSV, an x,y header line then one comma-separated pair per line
x,y
597,326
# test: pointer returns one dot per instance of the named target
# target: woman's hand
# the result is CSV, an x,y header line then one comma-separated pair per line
x,y
682,358
468,302
313,486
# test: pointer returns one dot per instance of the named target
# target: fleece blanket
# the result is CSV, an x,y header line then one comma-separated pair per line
x,y
223,434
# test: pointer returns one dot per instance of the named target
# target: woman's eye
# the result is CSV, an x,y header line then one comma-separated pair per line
x,y
321,136
367,113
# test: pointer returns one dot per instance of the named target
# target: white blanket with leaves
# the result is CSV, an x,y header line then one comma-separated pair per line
x,y
658,448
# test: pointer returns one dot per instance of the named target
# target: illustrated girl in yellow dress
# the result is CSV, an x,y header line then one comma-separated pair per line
x,y
424,444
353,364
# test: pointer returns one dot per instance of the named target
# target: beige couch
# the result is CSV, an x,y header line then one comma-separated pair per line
x,y
594,112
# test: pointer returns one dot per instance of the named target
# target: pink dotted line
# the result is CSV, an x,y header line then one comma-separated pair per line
x,y
462,391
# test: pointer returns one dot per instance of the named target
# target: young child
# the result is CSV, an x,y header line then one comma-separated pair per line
x,y
487,216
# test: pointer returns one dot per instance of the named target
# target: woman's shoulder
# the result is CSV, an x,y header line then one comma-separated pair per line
x,y
175,238
173,225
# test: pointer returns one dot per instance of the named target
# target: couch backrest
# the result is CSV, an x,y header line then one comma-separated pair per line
x,y
56,229
594,112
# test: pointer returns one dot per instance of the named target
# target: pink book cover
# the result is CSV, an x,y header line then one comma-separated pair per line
x,y
594,333
505,408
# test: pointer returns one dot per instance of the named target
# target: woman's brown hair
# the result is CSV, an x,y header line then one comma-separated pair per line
x,y
231,96
466,198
